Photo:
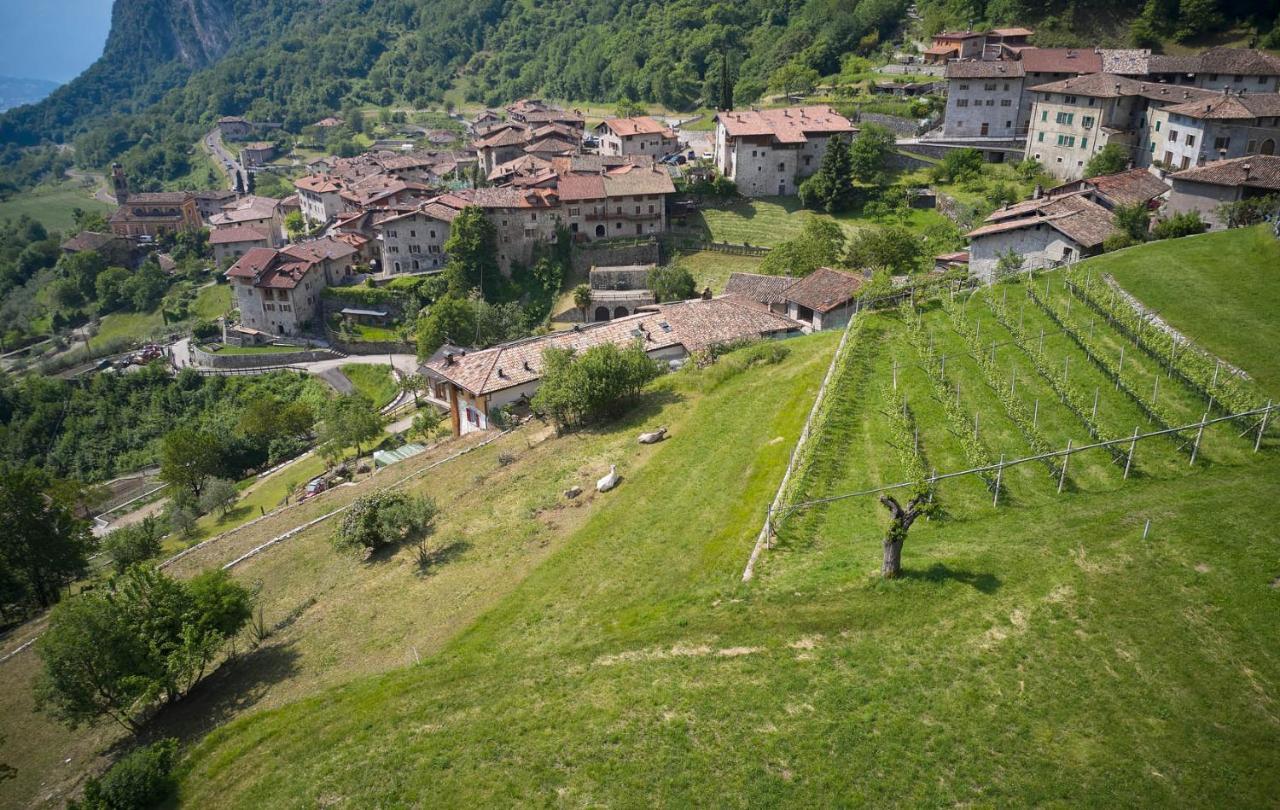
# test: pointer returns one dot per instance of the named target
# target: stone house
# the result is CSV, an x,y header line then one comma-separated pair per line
x,y
1216,127
618,291
259,213
640,135
235,128
523,218
764,290
211,202
476,383
1044,232
1204,189
948,45
413,241
984,100
278,291
824,299
320,196
768,152
235,241
257,154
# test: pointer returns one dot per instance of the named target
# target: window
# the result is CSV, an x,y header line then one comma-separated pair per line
x,y
1213,77
415,248
413,234
1168,159
1066,140
1252,147
1005,102
1044,115
1087,122
991,102
392,234
1186,162
415,264
1221,143
962,102
753,153
1191,140
1084,143
1152,150
781,167
1006,87
573,212
989,87
807,159
964,87
1064,117
1262,80
1157,126
1173,136
651,209
1069,99
1040,137
432,234
1237,78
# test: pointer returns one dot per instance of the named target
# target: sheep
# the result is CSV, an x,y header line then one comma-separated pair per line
x,y
609,481
654,437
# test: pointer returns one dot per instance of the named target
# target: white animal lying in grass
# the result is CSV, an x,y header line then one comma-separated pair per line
x,y
654,437
609,481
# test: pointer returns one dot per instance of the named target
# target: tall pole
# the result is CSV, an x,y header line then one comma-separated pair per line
x,y
1062,477
995,501
1195,448
1132,445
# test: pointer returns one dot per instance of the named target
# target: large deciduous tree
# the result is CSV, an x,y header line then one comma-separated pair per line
x,y
350,420
472,249
189,457
671,282
43,546
820,244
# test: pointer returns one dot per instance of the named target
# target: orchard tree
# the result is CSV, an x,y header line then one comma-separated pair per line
x,y
794,79
893,248
384,518
350,420
188,457
671,282
900,519
820,244
219,494
129,545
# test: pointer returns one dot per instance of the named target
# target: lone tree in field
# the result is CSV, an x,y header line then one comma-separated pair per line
x,y
898,528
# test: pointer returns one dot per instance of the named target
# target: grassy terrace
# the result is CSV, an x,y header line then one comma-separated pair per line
x,y
374,381
1037,653
766,221
1221,288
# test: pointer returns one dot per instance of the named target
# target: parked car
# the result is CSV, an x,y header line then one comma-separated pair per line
x,y
314,487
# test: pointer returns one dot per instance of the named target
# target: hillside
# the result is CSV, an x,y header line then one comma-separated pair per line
x,y
1038,652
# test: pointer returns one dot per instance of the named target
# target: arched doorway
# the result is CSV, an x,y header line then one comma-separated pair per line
x,y
599,230
602,314
620,312
1268,147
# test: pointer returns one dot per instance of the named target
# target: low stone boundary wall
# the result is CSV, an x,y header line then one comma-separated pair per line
x,y
218,360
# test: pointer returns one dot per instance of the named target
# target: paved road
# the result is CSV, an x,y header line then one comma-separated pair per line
x,y
403,363
100,193
227,163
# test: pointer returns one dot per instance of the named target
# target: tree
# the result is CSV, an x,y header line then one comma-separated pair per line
x,y
626,108
891,248
426,422
110,288
820,244
220,494
1243,213
144,289
412,384
582,299
472,248
593,386
958,165
350,420
794,79
384,518
114,652
44,546
900,523
295,225
129,545
831,187
143,778
187,458
869,153
1133,220
1009,264
181,519
671,282
1110,159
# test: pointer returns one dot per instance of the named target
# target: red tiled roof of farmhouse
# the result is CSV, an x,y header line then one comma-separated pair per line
x,y
1246,61
318,183
319,250
581,187
1060,60
759,287
1012,32
696,325
1129,187
825,289
630,179
239,233
499,198
1227,107
980,69
503,135
269,268
639,125
958,35
1073,215
789,125
1253,171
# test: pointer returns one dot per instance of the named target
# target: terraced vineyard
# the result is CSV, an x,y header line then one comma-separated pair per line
x,y
1028,369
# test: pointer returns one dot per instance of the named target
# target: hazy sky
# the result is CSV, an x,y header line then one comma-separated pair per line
x,y
51,39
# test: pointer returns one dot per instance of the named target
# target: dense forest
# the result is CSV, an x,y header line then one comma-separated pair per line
x,y
171,68
108,424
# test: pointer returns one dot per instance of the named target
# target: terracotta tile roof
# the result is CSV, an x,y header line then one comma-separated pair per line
x,y
825,289
941,50
318,184
1125,61
696,325
789,125
245,209
253,262
959,257
499,198
1253,171
1226,107
1165,63
235,234
88,240
1012,32
1060,60
509,134
639,125
433,210
1073,215
594,164
318,250
631,180
758,287
1129,187
1245,61
552,145
160,197
978,69
957,35
574,187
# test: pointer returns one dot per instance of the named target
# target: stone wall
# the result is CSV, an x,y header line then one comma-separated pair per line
x,y
602,254
260,360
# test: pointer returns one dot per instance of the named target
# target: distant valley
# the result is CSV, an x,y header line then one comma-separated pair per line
x,y
16,92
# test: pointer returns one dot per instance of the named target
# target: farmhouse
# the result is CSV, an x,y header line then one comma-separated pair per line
x,y
629,200
1205,189
824,299
278,291
764,290
260,213
477,383
320,196
1044,232
235,241
413,241
767,152
636,136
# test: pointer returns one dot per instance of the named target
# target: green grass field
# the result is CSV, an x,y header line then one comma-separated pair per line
x,y
374,381
52,205
134,325
605,651
212,301
1218,287
766,221
712,269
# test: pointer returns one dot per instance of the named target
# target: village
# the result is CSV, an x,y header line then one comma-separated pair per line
x,y
407,385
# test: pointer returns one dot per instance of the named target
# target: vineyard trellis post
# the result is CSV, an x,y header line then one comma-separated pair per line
x,y
1200,432
1155,392
1035,415
1217,364
1262,427
1094,416
1062,476
1128,462
995,499
1120,370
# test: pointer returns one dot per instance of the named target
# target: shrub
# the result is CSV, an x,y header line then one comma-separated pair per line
x,y
1109,159
1117,240
595,385
142,779
756,353
384,518
133,544
1187,223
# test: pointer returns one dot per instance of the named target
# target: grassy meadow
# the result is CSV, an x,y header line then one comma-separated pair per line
x,y
52,205
373,380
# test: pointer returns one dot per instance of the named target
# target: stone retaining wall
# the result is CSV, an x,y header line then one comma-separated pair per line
x,y
217,360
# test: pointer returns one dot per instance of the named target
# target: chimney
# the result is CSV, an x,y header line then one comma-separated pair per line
x,y
1226,89
448,358
501,374
706,294
1246,167
527,367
